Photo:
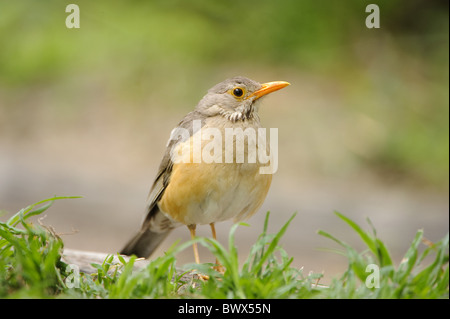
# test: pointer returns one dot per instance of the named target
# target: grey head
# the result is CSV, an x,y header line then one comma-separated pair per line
x,y
232,99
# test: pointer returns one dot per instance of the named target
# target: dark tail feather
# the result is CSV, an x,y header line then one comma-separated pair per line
x,y
144,243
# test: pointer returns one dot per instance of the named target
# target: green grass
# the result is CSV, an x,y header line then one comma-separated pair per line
x,y
31,267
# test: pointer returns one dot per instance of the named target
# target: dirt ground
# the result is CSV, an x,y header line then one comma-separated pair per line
x,y
113,169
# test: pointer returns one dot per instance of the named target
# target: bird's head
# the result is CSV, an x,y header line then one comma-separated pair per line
x,y
235,98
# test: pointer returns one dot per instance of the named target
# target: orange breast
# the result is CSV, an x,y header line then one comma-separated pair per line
x,y
203,193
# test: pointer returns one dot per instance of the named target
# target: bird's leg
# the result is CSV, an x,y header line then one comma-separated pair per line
x,y
218,266
194,246
213,231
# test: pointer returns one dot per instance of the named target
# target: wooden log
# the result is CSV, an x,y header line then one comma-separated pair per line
x,y
85,259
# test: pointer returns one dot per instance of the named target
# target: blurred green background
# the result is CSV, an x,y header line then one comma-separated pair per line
x,y
363,128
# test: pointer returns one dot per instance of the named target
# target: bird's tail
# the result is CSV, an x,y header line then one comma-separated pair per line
x,y
144,243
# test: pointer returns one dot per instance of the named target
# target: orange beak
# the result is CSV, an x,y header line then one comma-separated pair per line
x,y
269,87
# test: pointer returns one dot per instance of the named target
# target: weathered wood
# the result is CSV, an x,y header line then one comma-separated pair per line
x,y
84,259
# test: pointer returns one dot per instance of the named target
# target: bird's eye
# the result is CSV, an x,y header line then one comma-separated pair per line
x,y
238,92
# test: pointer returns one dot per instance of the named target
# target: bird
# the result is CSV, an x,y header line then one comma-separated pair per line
x,y
191,192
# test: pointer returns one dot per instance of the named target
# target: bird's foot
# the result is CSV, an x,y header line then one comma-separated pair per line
x,y
202,277
219,268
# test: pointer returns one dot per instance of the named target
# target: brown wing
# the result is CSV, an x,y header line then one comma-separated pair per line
x,y
156,226
165,168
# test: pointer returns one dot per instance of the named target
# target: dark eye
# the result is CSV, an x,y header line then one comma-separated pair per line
x,y
238,92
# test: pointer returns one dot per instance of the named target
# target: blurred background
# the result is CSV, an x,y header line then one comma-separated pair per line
x,y
363,129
